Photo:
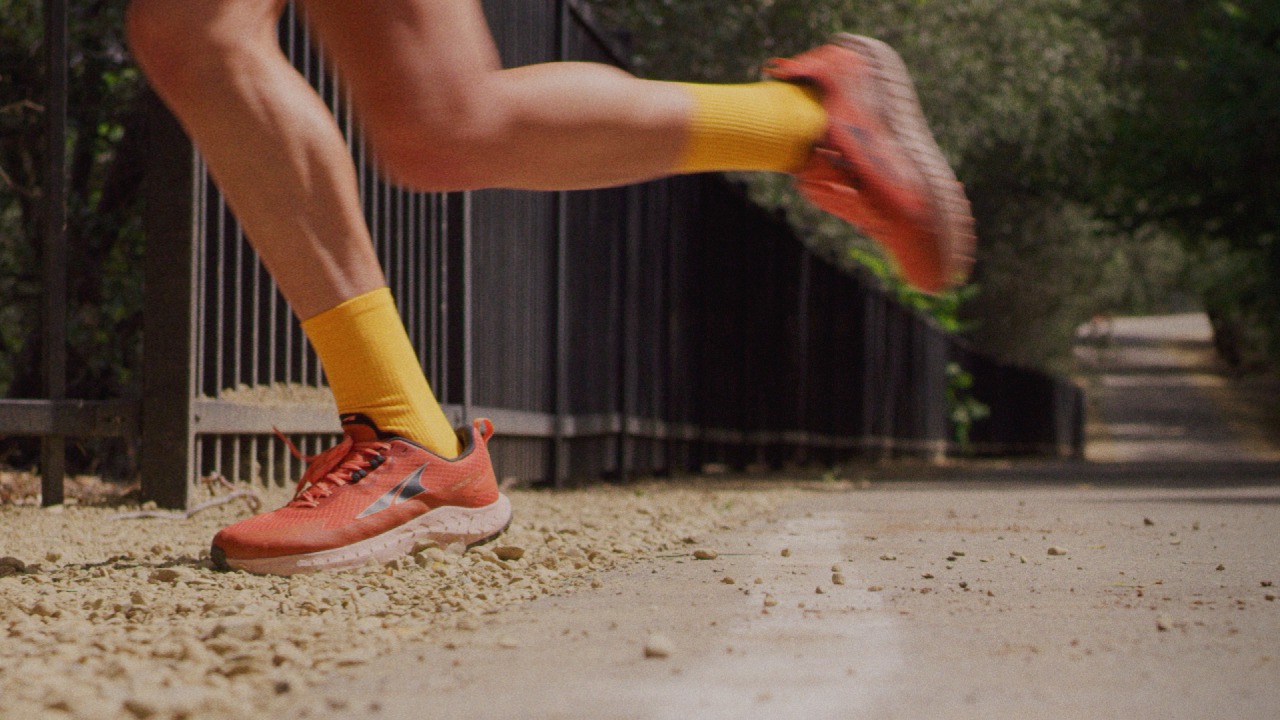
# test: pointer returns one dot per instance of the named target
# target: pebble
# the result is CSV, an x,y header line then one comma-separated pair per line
x,y
1056,550
786,552
170,575
11,566
658,646
508,552
837,578
703,554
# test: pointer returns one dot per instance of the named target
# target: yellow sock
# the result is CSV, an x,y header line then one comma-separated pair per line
x,y
768,125
373,369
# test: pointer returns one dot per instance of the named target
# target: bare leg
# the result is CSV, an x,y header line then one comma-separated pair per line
x,y
280,160
270,142
440,111
443,114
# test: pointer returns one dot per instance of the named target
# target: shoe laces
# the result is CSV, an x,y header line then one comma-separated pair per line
x,y
346,463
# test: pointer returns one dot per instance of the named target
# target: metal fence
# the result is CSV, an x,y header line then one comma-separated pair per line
x,y
647,329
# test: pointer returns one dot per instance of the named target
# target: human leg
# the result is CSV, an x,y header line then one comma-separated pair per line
x,y
443,115
281,162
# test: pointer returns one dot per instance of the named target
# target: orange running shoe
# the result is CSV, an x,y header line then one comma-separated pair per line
x,y
878,166
373,496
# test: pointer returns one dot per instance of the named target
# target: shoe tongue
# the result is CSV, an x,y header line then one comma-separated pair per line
x,y
361,427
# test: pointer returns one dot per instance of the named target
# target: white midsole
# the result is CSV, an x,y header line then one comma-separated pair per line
x,y
444,526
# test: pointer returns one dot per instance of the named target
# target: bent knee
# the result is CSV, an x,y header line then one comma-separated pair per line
x,y
439,146
174,40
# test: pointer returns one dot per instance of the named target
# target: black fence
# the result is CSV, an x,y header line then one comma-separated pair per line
x,y
648,329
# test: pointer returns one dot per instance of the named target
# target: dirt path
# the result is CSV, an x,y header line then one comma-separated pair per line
x,y
1141,584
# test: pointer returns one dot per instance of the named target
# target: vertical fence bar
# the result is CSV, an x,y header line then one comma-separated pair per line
x,y
559,466
53,465
468,345
169,352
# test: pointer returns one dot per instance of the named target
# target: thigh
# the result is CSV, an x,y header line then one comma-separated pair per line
x,y
406,53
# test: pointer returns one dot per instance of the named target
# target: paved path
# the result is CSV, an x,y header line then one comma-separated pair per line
x,y
1140,584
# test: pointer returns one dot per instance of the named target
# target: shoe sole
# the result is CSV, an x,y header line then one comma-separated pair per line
x,y
443,526
902,114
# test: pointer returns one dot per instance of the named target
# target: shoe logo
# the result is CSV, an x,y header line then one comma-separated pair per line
x,y
407,489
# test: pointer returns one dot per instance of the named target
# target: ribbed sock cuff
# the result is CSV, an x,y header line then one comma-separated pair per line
x,y
373,369
767,125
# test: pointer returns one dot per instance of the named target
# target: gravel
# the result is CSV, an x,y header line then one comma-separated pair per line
x,y
108,617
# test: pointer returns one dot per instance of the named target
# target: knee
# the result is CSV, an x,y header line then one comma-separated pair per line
x,y
444,142
174,42
158,39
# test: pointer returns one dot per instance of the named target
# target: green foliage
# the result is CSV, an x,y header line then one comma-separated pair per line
x,y
104,234
1197,151
963,409
105,147
1021,98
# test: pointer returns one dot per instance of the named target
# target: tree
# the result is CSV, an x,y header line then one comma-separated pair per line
x,y
1198,151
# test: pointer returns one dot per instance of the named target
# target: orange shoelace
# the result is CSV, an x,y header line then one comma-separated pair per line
x,y
343,464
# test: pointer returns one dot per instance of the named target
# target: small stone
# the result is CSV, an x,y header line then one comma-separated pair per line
x,y
875,588
1056,550
1220,567
888,557
141,707
658,646
704,554
819,591
770,601
1270,597
1164,623
1148,521
837,578
509,552
786,552
169,575
11,566
244,629
43,609
1266,583
53,556
727,580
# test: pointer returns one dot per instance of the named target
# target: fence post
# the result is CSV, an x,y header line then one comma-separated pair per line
x,y
53,456
168,361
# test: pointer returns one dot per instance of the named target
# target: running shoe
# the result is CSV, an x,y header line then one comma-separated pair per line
x,y
372,497
878,165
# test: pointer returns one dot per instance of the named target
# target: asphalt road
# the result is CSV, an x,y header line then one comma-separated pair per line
x,y
1140,583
